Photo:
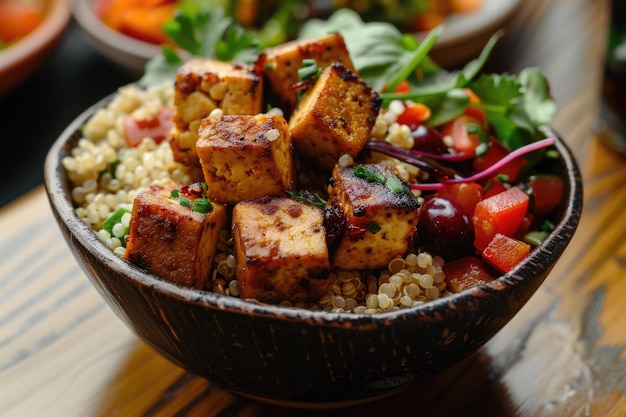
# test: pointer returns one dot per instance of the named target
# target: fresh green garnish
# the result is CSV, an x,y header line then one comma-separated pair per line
x,y
373,228
361,172
113,219
202,205
392,182
185,202
307,197
309,70
201,30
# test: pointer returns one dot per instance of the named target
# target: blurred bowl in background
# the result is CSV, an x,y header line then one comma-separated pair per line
x,y
125,52
19,60
465,34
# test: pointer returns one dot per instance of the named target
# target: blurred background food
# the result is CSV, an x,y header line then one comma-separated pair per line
x,y
277,21
29,31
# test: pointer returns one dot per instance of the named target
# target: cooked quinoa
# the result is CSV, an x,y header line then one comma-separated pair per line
x,y
106,175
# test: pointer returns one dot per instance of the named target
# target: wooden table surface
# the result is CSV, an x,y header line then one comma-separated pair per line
x,y
64,353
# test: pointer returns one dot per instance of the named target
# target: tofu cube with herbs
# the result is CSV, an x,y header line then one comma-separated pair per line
x,y
280,64
380,216
335,117
202,86
281,251
246,157
174,234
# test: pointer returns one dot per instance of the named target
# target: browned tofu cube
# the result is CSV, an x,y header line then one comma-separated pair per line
x,y
380,214
205,85
280,246
335,117
280,64
172,241
246,157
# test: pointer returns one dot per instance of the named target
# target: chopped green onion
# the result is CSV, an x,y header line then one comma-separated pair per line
x,y
309,70
536,237
361,172
174,193
113,219
373,228
202,205
394,184
307,197
185,202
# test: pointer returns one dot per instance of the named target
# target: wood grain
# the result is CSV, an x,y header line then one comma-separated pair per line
x,y
64,353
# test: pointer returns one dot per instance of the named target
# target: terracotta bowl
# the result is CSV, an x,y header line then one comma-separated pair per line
x,y
125,52
20,60
298,357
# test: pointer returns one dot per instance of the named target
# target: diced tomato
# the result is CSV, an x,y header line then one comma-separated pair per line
x,y
157,128
414,115
546,194
468,194
403,87
501,213
493,186
504,252
496,152
457,130
467,272
18,19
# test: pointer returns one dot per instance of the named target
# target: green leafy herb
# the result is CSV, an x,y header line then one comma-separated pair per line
x,y
199,29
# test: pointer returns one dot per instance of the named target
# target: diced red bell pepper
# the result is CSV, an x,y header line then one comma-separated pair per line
x,y
463,141
495,152
158,128
546,194
493,186
414,115
467,272
501,213
468,194
504,252
403,87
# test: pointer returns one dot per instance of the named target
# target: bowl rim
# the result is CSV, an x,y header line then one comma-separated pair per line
x,y
56,19
85,15
534,265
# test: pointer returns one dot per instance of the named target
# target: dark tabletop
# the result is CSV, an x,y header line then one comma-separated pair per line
x,y
35,113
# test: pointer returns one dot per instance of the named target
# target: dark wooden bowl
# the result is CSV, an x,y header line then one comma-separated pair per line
x,y
298,357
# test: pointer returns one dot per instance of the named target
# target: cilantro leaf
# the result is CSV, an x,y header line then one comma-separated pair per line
x,y
538,103
199,30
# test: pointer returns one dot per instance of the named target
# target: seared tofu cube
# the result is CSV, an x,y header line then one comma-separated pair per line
x,y
170,240
380,214
205,85
335,117
280,65
280,246
246,157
